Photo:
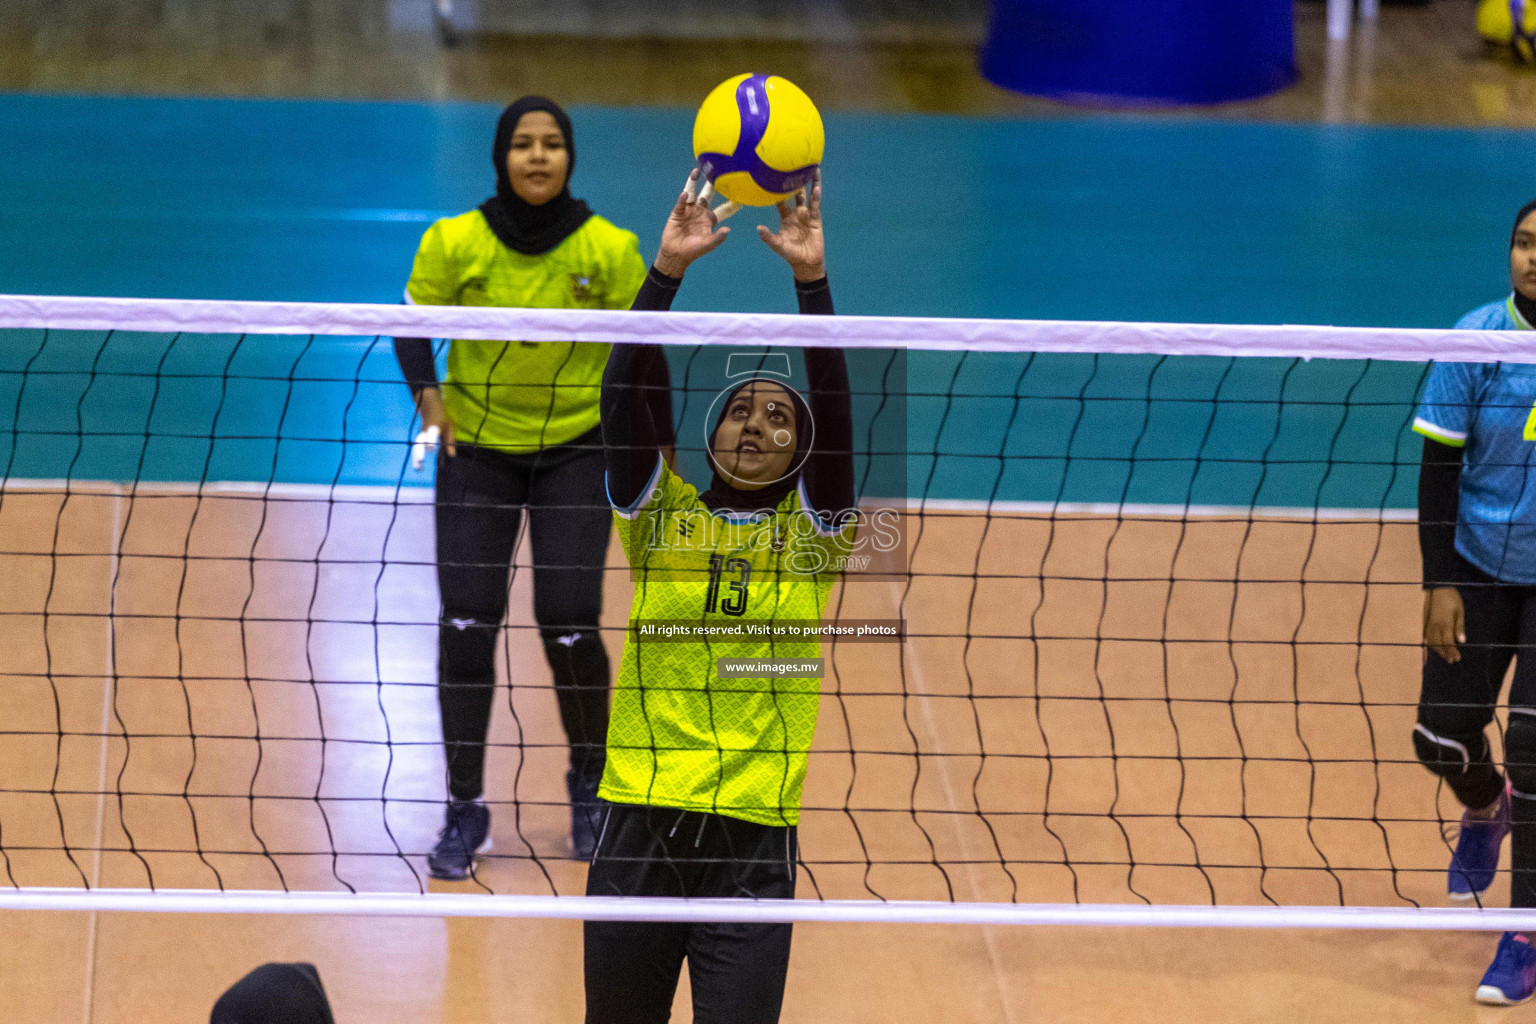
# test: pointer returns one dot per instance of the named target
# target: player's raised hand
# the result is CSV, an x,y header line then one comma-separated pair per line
x,y
692,229
799,238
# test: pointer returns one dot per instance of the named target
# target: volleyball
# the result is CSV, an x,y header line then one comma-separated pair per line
x,y
758,139
1509,23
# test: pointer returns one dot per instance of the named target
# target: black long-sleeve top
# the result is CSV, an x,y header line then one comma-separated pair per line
x,y
632,438
1439,509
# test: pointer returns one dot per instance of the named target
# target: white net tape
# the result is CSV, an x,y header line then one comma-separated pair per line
x,y
682,328
991,657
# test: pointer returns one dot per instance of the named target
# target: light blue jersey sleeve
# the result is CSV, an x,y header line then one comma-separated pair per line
x,y
1445,411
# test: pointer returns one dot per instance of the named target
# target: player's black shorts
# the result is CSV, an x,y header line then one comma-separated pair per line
x,y
736,971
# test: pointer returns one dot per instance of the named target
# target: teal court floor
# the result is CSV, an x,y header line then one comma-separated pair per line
x,y
1106,218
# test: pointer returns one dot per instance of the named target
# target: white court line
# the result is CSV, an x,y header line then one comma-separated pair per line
x,y
88,998
946,777
1109,509
417,494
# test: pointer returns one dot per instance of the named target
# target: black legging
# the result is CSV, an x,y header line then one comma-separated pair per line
x,y
480,500
1457,705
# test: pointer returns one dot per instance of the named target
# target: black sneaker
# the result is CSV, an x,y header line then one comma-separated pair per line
x,y
466,834
586,812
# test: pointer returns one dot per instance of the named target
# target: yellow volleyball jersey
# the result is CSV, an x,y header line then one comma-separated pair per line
x,y
680,735
520,396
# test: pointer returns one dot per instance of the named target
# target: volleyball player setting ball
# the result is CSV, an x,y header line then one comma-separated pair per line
x,y
1477,534
518,425
704,774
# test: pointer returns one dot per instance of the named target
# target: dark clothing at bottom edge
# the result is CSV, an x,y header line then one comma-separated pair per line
x,y
736,971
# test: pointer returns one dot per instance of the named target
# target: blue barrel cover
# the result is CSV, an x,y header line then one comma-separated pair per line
x,y
1141,51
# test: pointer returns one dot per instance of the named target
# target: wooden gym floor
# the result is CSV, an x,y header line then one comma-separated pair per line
x,y
179,676
1147,762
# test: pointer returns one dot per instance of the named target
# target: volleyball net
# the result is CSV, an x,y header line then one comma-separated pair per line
x,y
1158,588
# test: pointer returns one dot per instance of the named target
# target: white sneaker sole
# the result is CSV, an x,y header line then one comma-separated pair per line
x,y
1488,995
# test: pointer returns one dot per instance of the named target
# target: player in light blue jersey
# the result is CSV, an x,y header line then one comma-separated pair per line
x,y
1477,536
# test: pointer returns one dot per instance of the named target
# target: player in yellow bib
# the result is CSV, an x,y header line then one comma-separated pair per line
x,y
704,769
518,424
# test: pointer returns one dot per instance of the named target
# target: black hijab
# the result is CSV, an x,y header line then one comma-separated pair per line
x,y
521,226
1527,307
721,495
275,994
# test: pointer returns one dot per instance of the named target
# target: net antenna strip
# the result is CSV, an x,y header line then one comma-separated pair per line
x,y
941,334
614,908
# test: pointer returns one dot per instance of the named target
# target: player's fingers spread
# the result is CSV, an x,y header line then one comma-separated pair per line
x,y
705,192
726,209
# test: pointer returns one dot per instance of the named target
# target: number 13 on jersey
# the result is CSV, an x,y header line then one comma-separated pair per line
x,y
720,570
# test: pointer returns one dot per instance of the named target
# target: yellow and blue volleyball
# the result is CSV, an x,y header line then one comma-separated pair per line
x,y
1509,23
758,139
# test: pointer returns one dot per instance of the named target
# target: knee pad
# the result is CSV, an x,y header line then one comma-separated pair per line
x,y
467,647
1520,751
1450,756
578,660
579,663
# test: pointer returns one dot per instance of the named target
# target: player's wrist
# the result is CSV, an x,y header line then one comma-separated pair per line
x,y
810,272
671,264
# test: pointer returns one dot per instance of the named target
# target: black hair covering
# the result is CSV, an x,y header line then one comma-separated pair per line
x,y
521,226
722,495
275,994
